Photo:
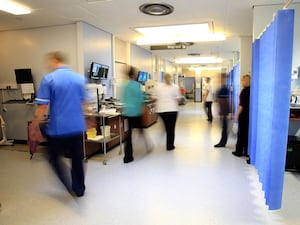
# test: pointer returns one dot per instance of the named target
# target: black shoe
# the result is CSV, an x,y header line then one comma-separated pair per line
x,y
236,154
128,160
171,148
77,193
219,145
248,160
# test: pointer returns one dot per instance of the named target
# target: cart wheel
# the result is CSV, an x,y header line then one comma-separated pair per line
x,y
104,162
120,152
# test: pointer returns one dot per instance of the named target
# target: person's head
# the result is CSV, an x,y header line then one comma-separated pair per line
x,y
246,80
132,73
55,59
167,78
223,78
207,79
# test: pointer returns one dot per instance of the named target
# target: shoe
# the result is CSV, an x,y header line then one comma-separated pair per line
x,y
248,161
219,146
236,154
170,149
128,160
77,194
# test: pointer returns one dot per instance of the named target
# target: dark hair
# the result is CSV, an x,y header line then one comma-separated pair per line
x,y
132,72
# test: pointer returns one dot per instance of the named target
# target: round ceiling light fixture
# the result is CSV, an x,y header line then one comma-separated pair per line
x,y
156,9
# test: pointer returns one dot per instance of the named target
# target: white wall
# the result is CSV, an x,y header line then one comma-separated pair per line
x,y
97,47
141,58
27,48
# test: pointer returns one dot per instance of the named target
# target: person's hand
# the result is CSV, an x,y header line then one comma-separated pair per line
x,y
234,118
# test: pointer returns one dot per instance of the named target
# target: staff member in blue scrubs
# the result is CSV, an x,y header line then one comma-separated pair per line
x,y
62,93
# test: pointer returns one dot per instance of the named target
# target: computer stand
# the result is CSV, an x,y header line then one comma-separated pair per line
x,y
4,141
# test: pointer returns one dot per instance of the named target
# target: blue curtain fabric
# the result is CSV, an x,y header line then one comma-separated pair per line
x,y
233,82
236,86
270,104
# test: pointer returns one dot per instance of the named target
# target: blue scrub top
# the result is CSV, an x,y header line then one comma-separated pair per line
x,y
64,91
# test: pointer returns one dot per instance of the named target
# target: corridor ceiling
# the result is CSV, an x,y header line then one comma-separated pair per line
x,y
120,17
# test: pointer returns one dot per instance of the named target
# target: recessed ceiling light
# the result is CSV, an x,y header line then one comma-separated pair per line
x,y
186,33
156,9
14,7
199,60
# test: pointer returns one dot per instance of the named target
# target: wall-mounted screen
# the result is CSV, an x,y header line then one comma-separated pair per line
x,y
98,71
23,76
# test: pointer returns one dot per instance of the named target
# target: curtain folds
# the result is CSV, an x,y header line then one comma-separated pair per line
x,y
270,104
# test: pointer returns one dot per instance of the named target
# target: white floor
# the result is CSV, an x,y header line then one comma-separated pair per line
x,y
195,184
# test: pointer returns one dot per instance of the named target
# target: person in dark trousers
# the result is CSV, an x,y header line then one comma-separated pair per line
x,y
223,100
208,99
133,99
64,90
167,96
242,116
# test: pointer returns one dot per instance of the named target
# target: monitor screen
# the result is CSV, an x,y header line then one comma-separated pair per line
x,y
103,73
94,71
142,76
23,76
98,71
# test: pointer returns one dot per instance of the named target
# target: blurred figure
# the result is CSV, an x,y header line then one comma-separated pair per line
x,y
223,100
133,99
64,90
167,96
208,99
242,116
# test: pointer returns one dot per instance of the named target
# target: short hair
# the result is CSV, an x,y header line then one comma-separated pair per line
x,y
247,76
58,55
132,71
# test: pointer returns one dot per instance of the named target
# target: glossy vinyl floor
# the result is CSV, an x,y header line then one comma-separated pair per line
x,y
196,184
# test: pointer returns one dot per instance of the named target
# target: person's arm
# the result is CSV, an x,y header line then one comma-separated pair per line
x,y
205,93
238,112
40,116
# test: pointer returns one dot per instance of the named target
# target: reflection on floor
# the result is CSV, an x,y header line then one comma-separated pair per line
x,y
196,184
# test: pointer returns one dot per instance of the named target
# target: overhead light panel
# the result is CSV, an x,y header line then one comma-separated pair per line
x,y
13,7
199,60
177,33
204,68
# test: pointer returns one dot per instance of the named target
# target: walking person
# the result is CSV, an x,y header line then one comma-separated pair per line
x,y
242,116
223,100
64,90
133,99
167,96
208,99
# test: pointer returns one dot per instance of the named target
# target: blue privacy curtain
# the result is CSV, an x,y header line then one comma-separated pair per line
x,y
270,104
234,84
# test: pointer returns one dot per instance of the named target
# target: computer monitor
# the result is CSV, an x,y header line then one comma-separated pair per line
x,y
98,71
23,76
142,77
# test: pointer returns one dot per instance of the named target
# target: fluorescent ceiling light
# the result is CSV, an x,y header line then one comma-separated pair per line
x,y
178,33
198,60
204,68
13,7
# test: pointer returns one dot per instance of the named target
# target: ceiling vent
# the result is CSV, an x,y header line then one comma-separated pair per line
x,y
156,9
